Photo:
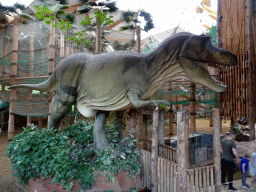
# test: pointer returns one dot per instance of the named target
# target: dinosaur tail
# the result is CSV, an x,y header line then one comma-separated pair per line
x,y
46,86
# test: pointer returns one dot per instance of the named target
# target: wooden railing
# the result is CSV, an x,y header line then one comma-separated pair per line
x,y
201,179
163,150
198,179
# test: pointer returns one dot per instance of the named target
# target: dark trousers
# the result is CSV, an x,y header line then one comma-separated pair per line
x,y
244,176
227,166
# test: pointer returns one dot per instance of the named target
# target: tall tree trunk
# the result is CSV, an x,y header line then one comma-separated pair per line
x,y
250,7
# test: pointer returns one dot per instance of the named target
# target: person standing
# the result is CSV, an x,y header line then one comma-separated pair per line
x,y
244,168
229,153
252,168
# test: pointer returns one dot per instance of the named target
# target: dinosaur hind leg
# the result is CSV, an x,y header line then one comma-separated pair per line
x,y
100,139
58,110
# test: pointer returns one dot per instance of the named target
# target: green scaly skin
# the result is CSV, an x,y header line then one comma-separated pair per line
x,y
121,80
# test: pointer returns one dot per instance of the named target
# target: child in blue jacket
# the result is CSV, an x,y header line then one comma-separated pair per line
x,y
244,168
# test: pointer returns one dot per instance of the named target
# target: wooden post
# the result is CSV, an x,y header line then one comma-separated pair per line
x,y
161,131
183,148
11,122
170,112
5,47
98,39
62,46
40,119
51,61
211,121
62,56
140,124
132,121
219,95
67,47
192,107
72,48
216,149
119,119
250,8
138,38
154,155
145,131
30,74
40,122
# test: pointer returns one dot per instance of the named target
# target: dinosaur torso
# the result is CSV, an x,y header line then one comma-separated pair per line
x,y
120,80
106,78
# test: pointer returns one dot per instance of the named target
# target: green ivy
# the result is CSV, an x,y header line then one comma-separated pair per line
x,y
69,154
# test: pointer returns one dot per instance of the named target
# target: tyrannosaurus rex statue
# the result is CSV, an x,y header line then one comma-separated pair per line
x,y
120,80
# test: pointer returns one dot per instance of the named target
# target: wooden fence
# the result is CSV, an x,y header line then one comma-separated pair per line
x,y
198,179
163,151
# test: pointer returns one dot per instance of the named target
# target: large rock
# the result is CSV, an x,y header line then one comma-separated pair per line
x,y
123,183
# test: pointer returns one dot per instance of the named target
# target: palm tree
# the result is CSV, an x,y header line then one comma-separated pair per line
x,y
131,18
99,9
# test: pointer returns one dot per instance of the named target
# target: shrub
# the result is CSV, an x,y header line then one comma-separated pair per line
x,y
69,154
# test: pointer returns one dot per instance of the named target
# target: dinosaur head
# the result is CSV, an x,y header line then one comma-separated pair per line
x,y
195,52
199,48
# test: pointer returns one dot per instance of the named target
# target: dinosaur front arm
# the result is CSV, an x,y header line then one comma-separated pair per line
x,y
136,102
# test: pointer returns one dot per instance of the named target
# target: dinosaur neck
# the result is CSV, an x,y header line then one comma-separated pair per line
x,y
167,52
162,63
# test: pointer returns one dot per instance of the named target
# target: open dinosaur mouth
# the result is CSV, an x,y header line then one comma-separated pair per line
x,y
220,84
199,74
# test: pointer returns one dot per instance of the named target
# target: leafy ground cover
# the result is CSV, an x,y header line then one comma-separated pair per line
x,y
69,155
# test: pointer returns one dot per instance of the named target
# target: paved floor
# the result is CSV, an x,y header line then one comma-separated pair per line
x,y
238,184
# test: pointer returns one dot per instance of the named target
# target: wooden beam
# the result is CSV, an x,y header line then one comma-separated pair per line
x,y
115,24
170,112
192,107
183,148
51,61
30,74
154,152
72,8
140,124
161,130
62,45
98,39
216,149
119,120
138,31
250,8
11,122
145,131
132,120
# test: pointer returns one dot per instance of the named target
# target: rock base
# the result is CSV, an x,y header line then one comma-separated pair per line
x,y
123,183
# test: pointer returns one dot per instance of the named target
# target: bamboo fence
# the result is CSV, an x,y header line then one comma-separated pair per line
x,y
232,34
